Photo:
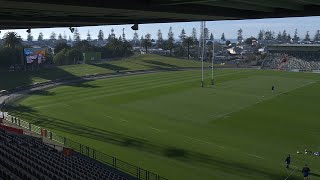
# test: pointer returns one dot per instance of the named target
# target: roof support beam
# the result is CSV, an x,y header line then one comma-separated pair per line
x,y
283,4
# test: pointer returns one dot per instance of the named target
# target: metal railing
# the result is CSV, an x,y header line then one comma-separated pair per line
x,y
111,161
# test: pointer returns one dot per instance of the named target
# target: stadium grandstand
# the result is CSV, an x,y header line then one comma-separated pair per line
x,y
304,57
29,152
26,157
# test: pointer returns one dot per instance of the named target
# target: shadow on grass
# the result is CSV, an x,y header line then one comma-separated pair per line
x,y
42,93
19,109
12,80
83,85
315,175
111,67
160,64
179,154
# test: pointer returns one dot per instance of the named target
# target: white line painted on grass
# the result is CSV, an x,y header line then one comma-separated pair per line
x,y
253,155
291,173
123,120
156,129
109,117
224,115
204,142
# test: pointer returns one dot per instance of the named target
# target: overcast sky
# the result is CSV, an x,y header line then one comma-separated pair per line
x,y
250,28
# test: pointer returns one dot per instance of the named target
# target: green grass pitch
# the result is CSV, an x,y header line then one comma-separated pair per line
x,y
166,123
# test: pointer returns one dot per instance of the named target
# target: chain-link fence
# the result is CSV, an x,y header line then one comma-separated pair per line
x,y
111,161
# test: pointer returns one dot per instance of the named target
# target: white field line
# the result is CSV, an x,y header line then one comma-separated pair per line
x,y
222,147
253,155
262,99
158,130
136,90
123,120
204,142
291,172
109,117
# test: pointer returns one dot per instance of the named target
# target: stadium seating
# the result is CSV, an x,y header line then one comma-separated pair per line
x,y
273,61
27,158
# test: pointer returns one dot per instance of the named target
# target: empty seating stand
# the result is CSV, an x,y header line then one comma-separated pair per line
x,y
27,158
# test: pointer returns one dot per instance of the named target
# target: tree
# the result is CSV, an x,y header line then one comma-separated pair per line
x,y
73,56
76,35
189,42
296,38
10,56
123,35
206,33
118,48
289,38
170,40
307,37
223,38
53,36
135,38
100,35
30,37
160,39
112,35
64,36
146,43
194,34
317,36
83,46
60,58
240,37
284,35
40,37
182,35
269,35
60,37
211,37
279,37
12,40
260,35
89,36
60,46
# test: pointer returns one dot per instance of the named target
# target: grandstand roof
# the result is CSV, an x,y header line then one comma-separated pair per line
x,y
48,13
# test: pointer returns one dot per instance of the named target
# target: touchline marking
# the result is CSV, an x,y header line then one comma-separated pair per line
x,y
159,130
204,142
255,156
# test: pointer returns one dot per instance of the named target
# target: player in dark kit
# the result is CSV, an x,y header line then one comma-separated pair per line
x,y
306,172
288,161
272,88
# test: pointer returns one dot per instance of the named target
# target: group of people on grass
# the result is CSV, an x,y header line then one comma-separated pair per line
x,y
305,170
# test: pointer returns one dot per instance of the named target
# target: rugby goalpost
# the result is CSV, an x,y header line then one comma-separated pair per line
x,y
202,47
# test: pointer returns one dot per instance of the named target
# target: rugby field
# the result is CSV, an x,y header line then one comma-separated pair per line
x,y
166,123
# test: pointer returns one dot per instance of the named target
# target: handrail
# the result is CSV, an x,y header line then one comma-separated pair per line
x,y
111,161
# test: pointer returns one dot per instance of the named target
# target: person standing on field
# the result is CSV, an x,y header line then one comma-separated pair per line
x,y
288,161
306,172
